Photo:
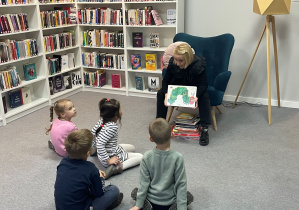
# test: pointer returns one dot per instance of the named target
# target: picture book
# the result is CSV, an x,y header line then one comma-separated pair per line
x,y
26,95
116,80
71,60
153,84
67,81
58,83
182,96
15,98
64,62
76,78
137,39
171,16
140,84
136,62
29,71
150,61
157,18
154,40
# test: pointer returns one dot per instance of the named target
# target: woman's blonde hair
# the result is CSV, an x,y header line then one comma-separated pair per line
x,y
185,50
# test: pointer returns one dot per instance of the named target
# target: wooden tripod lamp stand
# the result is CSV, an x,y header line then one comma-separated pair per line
x,y
269,8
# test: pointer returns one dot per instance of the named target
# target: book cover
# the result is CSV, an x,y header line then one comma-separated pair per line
x,y
51,85
171,16
137,39
153,84
150,61
64,62
76,78
183,96
157,18
26,95
101,78
71,60
140,85
136,62
67,81
29,71
58,83
15,98
154,40
4,104
116,80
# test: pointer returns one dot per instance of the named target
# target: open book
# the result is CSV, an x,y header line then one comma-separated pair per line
x,y
183,96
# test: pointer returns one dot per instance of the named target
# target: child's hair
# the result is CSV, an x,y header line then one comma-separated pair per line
x,y
109,108
78,143
185,50
58,107
160,131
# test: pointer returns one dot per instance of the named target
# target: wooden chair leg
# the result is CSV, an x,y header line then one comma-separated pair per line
x,y
213,118
169,113
218,108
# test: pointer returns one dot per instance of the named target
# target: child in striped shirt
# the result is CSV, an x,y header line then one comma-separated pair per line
x,y
113,156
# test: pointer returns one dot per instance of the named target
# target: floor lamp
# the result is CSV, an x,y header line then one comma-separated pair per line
x,y
269,8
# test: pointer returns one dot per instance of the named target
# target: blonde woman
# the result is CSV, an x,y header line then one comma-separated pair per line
x,y
188,69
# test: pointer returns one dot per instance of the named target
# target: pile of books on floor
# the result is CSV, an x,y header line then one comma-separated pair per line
x,y
186,127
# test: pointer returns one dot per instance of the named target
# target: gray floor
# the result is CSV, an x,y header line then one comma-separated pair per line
x,y
247,165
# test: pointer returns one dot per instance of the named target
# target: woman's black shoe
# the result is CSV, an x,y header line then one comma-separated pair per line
x,y
204,137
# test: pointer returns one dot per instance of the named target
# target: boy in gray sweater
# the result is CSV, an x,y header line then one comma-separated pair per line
x,y
163,181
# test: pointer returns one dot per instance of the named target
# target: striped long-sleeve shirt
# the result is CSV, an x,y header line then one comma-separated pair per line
x,y
106,142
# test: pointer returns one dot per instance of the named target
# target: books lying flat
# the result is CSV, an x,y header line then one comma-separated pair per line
x,y
183,96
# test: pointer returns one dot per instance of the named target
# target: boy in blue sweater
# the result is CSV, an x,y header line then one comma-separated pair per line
x,y
163,181
79,184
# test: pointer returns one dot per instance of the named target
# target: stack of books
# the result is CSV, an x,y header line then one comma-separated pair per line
x,y
186,127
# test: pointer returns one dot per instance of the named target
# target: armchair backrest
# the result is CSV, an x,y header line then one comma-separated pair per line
x,y
216,50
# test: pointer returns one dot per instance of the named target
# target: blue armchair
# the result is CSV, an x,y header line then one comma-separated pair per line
x,y
216,50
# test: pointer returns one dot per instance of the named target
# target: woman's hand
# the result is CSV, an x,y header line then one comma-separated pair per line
x,y
165,100
113,161
196,103
135,208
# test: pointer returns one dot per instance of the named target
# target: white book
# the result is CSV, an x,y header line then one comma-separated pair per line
x,y
183,96
153,84
171,17
26,95
71,60
64,62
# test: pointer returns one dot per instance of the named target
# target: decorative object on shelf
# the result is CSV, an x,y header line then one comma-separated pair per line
x,y
153,84
116,80
269,8
29,71
137,39
140,84
182,96
154,40
171,16
136,61
26,95
15,98
150,61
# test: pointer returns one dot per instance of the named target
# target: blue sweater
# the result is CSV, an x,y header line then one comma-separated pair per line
x,y
78,182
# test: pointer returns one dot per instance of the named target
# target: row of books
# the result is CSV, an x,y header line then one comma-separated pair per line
x,y
17,98
137,39
9,78
59,41
100,16
10,23
146,16
13,50
99,1
95,79
145,0
103,60
102,38
55,18
153,83
60,82
9,2
59,63
150,61
55,1
186,127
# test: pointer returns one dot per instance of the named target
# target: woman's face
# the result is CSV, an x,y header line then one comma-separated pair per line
x,y
180,61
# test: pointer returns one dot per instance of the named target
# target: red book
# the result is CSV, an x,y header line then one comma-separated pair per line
x,y
116,80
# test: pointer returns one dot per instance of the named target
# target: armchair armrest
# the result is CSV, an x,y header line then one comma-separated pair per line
x,y
221,80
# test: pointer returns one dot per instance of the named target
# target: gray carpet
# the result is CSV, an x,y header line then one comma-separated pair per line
x,y
247,165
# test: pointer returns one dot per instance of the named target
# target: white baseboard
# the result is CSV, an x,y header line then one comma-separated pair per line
x,y
263,101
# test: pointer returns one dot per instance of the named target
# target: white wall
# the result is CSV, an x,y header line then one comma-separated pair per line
x,y
214,17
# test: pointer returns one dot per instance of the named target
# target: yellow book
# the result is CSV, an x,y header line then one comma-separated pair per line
x,y
150,61
28,48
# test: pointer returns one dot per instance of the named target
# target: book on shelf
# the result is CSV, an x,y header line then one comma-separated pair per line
x,y
137,39
67,81
58,83
157,18
26,95
136,61
171,16
71,60
15,98
154,40
116,80
153,84
140,84
51,85
101,78
9,78
150,61
182,96
29,71
64,62
4,104
76,78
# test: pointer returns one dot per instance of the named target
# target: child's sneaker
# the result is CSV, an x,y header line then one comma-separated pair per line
x,y
113,170
117,202
50,145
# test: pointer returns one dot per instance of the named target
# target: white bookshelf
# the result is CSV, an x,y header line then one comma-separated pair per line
x,y
39,88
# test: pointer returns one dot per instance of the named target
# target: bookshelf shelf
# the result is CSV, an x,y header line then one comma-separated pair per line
x,y
64,93
65,71
19,60
63,26
61,50
19,32
18,5
108,69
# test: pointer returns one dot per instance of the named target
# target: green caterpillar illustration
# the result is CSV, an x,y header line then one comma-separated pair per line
x,y
179,91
